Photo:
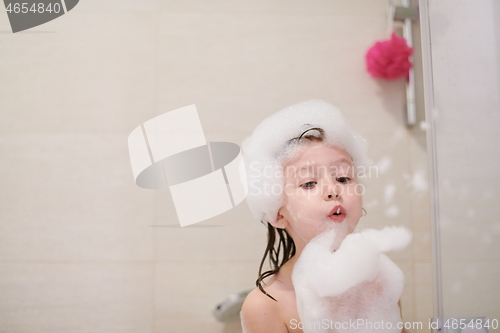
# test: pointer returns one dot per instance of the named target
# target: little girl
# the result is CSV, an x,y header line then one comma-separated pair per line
x,y
302,166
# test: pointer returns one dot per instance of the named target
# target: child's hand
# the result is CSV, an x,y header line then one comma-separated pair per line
x,y
356,260
356,281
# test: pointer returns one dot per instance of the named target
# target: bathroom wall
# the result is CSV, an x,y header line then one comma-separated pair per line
x,y
465,57
82,248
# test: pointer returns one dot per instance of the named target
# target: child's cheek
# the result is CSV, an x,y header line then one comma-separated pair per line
x,y
302,220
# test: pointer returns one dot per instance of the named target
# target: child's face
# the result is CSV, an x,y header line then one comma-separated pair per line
x,y
323,195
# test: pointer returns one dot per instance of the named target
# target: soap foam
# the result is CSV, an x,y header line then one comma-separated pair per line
x,y
266,151
357,281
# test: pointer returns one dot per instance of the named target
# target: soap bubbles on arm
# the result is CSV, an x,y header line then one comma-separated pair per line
x,y
356,281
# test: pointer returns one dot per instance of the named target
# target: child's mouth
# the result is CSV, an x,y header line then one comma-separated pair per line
x,y
337,214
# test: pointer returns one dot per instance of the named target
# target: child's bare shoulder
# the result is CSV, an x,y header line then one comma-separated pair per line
x,y
261,314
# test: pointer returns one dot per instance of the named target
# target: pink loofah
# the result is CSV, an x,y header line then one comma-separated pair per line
x,y
389,59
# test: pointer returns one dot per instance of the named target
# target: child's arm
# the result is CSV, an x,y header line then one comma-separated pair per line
x,y
260,314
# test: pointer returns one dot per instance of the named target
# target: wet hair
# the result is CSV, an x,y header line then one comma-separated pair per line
x,y
279,239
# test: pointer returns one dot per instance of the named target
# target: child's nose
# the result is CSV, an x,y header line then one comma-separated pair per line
x,y
331,191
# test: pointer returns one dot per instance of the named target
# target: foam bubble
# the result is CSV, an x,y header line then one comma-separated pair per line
x,y
266,150
357,281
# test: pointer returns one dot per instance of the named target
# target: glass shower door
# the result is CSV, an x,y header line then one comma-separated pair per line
x,y
461,43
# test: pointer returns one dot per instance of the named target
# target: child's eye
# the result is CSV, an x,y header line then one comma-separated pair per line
x,y
343,179
313,183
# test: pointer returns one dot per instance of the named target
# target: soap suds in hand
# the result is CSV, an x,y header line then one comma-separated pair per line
x,y
351,281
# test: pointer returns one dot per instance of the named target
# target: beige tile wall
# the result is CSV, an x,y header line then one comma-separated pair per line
x,y
82,248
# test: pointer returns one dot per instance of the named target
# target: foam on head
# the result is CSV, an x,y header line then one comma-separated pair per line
x,y
267,150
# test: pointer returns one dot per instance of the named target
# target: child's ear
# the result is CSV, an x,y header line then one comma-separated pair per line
x,y
281,222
